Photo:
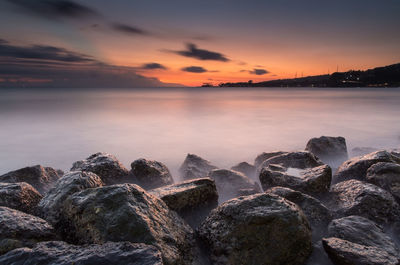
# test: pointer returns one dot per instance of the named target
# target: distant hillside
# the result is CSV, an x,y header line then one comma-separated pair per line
x,y
387,76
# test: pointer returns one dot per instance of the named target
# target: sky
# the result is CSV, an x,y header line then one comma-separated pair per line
x,y
158,43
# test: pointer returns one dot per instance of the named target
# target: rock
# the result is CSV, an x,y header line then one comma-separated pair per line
x,y
301,160
257,229
151,174
106,166
362,231
386,176
356,168
330,150
343,252
20,196
245,168
192,199
264,156
231,184
126,212
195,167
61,253
354,197
18,229
50,207
41,178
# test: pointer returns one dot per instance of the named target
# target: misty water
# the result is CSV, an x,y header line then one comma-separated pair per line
x,y
56,128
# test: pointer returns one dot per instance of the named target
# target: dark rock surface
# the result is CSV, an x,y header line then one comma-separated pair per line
x,y
386,176
330,150
61,253
257,229
245,168
151,174
20,196
41,178
195,167
300,159
106,166
18,229
264,156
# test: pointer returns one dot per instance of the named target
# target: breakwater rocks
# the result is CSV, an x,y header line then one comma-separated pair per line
x,y
314,206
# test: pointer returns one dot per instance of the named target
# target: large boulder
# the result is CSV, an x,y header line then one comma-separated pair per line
x,y
50,207
331,150
126,212
41,178
195,167
231,184
300,159
106,166
386,176
151,174
316,180
354,197
245,168
264,156
20,196
257,229
18,229
61,253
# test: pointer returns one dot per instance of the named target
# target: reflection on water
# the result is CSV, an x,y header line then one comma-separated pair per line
x,y
225,126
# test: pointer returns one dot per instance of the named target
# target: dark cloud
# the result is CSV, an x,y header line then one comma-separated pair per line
x,y
194,69
129,29
150,66
201,54
257,71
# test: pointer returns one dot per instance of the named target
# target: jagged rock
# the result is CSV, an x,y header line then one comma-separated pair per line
x,y
330,150
245,168
316,180
41,178
195,167
231,184
61,253
50,207
343,252
356,168
60,172
151,174
126,212
354,197
257,229
18,229
264,156
386,176
20,196
104,165
301,160
362,231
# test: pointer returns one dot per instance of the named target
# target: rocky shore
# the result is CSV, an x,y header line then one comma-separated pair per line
x,y
314,206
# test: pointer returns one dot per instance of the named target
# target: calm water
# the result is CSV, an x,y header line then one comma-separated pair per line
x,y
225,126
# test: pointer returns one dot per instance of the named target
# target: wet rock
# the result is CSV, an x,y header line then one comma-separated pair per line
x,y
231,184
41,178
195,167
343,252
50,207
245,168
330,150
20,196
151,174
354,197
257,229
18,229
264,156
61,253
106,166
316,180
301,160
126,212
386,176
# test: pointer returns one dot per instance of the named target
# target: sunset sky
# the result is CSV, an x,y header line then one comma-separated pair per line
x,y
123,43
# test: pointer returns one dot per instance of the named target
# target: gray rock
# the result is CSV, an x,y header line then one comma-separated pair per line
x,y
257,229
264,156
151,174
20,196
330,150
106,166
18,229
245,168
195,167
386,176
343,252
231,184
301,160
61,253
50,207
41,178
126,212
